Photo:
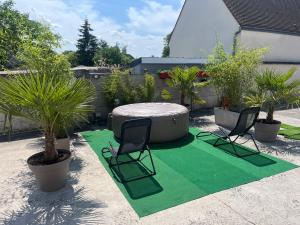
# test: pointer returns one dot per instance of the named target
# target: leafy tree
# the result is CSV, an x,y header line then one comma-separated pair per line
x,y
166,49
112,55
273,88
15,29
86,45
40,55
185,81
126,58
71,57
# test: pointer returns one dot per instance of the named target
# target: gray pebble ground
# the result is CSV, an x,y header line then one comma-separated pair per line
x,y
91,196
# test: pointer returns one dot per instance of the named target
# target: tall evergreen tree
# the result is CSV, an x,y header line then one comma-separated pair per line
x,y
166,49
86,45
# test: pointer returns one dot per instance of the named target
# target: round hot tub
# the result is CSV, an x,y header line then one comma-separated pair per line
x,y
169,121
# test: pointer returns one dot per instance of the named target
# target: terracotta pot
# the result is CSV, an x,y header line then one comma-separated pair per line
x,y
51,177
266,132
225,102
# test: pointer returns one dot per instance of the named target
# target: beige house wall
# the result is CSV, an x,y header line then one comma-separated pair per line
x,y
282,47
199,25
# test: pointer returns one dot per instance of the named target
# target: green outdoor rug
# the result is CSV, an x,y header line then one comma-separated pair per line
x,y
290,132
186,170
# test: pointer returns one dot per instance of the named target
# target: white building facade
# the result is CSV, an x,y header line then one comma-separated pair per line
x,y
264,23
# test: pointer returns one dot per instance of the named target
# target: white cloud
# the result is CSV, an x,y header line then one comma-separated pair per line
x,y
143,34
154,17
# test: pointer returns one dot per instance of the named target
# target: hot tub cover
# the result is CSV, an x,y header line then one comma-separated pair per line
x,y
169,121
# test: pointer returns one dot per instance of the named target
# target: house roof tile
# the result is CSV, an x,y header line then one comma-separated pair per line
x,y
281,16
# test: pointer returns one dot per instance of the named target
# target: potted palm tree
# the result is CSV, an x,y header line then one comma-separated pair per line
x,y
50,101
272,89
185,81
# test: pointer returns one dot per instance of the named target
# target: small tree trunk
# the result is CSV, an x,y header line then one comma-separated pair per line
x,y
182,97
50,153
270,115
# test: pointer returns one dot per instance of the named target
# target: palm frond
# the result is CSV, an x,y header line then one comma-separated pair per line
x,y
199,85
185,81
166,95
45,99
274,88
198,100
289,74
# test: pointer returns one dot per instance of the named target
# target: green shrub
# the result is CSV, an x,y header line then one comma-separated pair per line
x,y
119,85
233,75
147,90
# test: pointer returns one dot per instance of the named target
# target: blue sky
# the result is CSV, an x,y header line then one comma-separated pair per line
x,y
138,24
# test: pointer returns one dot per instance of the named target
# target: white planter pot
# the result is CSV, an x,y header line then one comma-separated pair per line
x,y
225,118
62,143
51,177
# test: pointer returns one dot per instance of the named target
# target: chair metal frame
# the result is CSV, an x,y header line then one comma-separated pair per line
x,y
234,132
125,125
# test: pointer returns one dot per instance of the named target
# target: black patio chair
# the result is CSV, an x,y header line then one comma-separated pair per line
x,y
135,135
246,121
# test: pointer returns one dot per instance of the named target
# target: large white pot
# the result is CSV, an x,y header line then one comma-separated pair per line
x,y
51,177
225,118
